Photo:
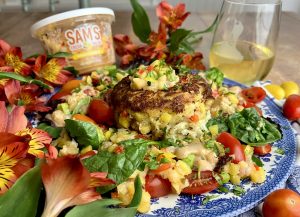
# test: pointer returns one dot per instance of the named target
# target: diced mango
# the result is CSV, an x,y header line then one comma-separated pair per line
x,y
233,99
235,179
124,121
258,175
145,128
214,130
165,117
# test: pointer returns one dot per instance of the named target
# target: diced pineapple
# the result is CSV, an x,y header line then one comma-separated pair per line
x,y
119,76
124,121
165,117
139,116
145,128
234,169
100,87
125,192
169,155
214,130
182,168
233,99
235,179
202,110
108,134
144,205
258,175
86,149
138,83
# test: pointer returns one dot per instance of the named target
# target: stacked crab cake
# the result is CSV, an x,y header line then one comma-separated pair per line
x,y
155,100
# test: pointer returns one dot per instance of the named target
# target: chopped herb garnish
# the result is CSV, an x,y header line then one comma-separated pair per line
x,y
257,161
223,189
209,198
279,151
238,190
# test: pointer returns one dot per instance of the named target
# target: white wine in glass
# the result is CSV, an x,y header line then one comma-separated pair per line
x,y
245,39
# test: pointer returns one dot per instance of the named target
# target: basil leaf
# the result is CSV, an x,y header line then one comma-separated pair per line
x,y
252,129
119,166
27,80
100,208
54,132
23,197
215,75
85,133
221,122
177,37
140,21
257,161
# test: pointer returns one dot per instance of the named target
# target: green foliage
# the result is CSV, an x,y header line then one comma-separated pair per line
x,y
54,132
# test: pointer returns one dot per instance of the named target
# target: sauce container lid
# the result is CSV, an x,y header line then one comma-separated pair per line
x,y
70,14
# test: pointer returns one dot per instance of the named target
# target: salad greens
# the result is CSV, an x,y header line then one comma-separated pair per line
x,y
85,133
119,166
215,75
54,132
252,129
83,103
221,122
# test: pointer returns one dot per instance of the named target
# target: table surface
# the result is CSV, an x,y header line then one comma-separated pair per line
x,y
15,28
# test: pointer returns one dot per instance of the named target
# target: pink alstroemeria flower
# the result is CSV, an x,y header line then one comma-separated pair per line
x,y
173,17
68,183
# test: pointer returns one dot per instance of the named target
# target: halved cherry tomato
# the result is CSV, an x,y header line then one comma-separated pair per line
x,y
291,107
156,186
100,112
282,203
234,145
85,118
254,94
71,85
161,167
205,183
252,105
262,150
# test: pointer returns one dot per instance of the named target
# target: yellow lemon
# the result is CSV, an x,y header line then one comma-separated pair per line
x,y
290,87
276,91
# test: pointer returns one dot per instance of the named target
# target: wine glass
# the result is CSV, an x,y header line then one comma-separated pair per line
x,y
244,42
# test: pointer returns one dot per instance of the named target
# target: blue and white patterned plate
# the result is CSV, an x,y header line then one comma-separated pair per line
x,y
277,166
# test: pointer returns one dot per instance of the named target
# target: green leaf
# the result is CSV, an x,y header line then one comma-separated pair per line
x,y
54,132
257,161
27,80
119,166
22,198
140,21
215,75
209,198
85,133
279,151
220,121
72,69
252,129
238,190
100,208
138,191
176,38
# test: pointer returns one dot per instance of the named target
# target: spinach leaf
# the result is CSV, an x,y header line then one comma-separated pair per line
x,y
257,161
85,133
221,122
215,75
252,129
54,132
119,166
140,21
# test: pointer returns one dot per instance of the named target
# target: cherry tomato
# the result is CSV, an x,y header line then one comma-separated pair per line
x,y
254,94
291,107
282,203
252,105
156,186
206,183
100,112
162,167
262,150
234,145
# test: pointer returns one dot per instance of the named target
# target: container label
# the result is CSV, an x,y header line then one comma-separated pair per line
x,y
84,36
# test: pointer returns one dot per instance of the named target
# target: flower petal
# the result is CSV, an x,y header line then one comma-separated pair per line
x,y
8,138
3,117
12,90
13,58
64,179
7,179
38,140
52,152
17,120
23,165
99,179
4,47
12,153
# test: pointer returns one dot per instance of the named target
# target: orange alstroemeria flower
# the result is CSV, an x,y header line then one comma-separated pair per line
x,y
12,150
68,183
172,17
193,61
52,71
27,95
